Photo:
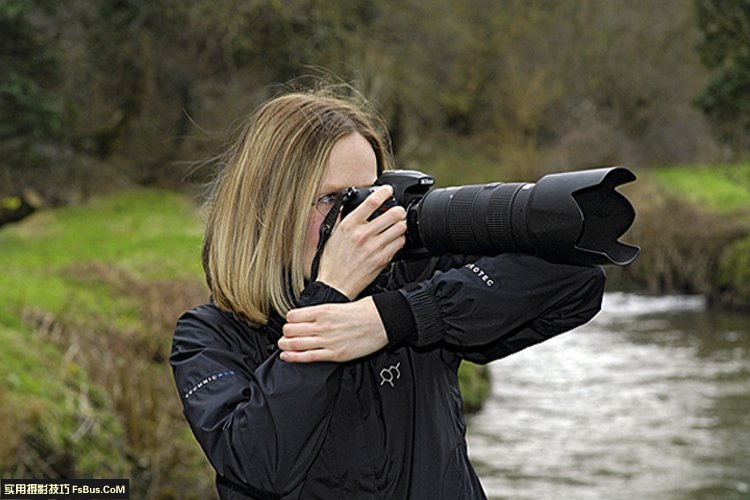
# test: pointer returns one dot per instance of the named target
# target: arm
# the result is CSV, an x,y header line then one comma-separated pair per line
x,y
482,311
260,424
494,306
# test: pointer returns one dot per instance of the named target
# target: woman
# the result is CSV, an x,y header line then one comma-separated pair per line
x,y
335,384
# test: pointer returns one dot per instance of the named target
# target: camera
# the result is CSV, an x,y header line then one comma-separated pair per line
x,y
569,218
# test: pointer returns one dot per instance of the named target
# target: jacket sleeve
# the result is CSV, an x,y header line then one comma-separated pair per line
x,y
261,424
494,306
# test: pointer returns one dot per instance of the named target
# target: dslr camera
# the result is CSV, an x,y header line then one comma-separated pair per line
x,y
568,218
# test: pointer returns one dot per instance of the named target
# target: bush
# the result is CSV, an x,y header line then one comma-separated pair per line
x,y
475,385
681,243
734,276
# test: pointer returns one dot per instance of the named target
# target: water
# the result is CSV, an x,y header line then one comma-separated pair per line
x,y
651,400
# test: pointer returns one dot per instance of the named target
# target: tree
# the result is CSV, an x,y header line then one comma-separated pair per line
x,y
30,109
725,48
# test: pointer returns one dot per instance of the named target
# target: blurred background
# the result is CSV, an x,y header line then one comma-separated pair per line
x,y
112,115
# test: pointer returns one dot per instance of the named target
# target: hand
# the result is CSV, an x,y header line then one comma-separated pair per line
x,y
333,332
359,249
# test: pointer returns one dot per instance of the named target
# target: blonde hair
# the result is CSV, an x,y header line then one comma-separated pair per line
x,y
258,209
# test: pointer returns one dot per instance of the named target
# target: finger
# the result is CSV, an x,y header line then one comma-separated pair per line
x,y
300,344
394,246
393,232
303,314
307,356
298,330
392,216
389,236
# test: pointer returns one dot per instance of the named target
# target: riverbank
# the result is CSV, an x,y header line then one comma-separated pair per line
x,y
693,224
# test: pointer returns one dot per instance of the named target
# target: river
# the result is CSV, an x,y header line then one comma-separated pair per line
x,y
650,400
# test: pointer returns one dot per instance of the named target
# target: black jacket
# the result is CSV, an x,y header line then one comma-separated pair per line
x,y
388,426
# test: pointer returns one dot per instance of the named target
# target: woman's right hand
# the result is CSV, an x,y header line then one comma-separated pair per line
x,y
359,249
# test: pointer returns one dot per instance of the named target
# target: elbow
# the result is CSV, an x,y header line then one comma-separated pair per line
x,y
598,280
594,278
258,476
591,293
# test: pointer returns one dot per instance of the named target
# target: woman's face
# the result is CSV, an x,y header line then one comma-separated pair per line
x,y
352,162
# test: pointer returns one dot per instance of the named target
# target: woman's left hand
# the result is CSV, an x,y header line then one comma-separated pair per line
x,y
332,332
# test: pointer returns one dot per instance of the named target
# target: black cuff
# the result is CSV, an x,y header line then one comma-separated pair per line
x,y
317,292
395,313
430,326
314,293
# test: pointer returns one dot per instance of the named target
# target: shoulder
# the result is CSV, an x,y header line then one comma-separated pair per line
x,y
208,326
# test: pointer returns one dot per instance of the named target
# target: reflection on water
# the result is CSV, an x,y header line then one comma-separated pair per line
x,y
651,400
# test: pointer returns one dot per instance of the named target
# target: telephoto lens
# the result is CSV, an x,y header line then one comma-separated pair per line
x,y
570,218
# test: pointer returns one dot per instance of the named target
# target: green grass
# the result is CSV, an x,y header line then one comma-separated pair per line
x,y
152,235
723,189
24,361
51,266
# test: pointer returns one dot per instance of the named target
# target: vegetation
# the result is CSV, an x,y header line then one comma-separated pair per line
x,y
723,47
110,94
721,189
89,297
693,224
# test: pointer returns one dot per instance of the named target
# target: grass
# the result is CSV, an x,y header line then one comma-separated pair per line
x,y
722,189
88,295
150,234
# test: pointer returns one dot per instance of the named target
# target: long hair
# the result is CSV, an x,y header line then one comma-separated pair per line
x,y
259,204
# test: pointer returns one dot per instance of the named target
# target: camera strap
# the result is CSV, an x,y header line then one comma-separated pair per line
x,y
326,228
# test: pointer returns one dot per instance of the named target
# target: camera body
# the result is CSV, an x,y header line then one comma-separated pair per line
x,y
570,218
409,187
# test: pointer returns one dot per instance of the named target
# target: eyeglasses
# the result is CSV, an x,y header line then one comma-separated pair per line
x,y
324,203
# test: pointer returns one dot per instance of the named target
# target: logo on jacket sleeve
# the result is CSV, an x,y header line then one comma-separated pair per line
x,y
390,374
486,278
206,381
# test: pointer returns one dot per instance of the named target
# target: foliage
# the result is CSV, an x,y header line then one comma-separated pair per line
x,y
30,110
57,422
734,275
687,218
725,47
133,87
475,385
713,249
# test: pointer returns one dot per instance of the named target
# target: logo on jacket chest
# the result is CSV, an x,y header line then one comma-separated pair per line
x,y
390,374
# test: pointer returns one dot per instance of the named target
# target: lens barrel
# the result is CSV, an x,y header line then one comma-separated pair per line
x,y
573,218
